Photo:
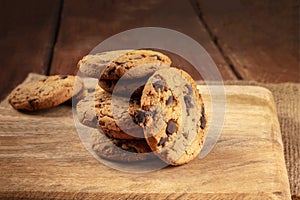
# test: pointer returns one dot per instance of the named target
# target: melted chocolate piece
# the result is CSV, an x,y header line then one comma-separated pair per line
x,y
171,127
32,103
140,116
120,63
157,57
190,89
158,85
188,103
111,71
185,135
95,121
63,76
91,90
170,100
162,141
203,122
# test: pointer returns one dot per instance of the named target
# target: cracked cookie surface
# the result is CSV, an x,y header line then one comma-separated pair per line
x,y
45,93
173,116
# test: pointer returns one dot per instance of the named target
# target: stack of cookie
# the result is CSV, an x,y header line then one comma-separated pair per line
x,y
142,108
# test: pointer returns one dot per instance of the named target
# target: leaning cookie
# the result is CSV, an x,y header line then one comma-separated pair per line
x,y
93,65
173,116
120,150
45,93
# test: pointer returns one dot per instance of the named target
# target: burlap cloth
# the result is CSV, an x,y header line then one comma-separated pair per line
x,y
287,99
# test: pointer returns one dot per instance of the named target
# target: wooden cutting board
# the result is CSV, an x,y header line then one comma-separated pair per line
x,y
42,156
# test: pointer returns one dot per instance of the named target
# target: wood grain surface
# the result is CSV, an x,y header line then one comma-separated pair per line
x,y
26,39
41,156
84,25
260,39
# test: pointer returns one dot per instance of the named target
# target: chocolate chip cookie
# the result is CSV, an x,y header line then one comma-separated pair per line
x,y
173,116
93,65
45,93
132,60
120,150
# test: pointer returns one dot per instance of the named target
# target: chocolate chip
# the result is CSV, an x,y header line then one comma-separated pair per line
x,y
111,71
203,122
171,127
170,100
203,110
32,103
41,90
120,63
162,141
158,85
157,57
190,89
185,135
140,116
95,121
63,76
144,56
188,103
90,90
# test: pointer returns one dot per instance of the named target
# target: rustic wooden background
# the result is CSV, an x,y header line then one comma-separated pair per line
x,y
248,39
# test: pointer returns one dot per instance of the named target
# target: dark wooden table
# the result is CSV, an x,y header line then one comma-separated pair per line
x,y
248,40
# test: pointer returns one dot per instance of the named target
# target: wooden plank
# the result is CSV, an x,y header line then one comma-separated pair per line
x,y
260,38
26,39
43,157
85,24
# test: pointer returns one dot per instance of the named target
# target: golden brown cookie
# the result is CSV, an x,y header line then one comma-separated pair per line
x,y
173,116
45,93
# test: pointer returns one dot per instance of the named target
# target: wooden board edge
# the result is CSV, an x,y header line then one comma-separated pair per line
x,y
276,195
